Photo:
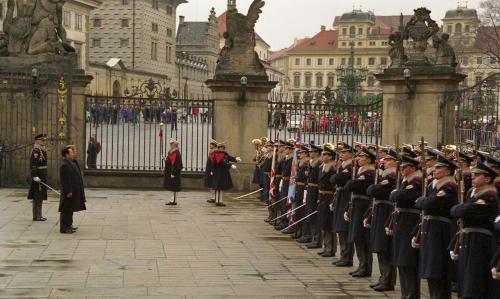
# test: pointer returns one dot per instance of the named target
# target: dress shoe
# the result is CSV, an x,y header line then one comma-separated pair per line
x,y
74,228
361,274
67,231
383,288
320,253
304,240
289,230
327,254
313,246
343,264
40,219
211,200
354,272
220,204
267,220
171,203
454,287
375,284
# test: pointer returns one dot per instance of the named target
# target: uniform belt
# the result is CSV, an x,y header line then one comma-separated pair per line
x,y
278,175
301,184
437,218
42,167
324,192
383,202
477,230
268,173
405,210
360,197
312,185
339,188
286,178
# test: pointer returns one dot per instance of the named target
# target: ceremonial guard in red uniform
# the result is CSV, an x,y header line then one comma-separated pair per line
x,y
221,166
207,180
172,173
38,166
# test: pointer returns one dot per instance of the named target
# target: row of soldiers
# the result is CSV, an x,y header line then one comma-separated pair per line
x,y
425,213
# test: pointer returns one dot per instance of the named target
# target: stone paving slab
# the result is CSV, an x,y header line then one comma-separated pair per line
x,y
130,245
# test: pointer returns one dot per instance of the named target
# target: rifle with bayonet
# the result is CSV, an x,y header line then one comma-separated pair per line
x,y
348,212
415,241
460,181
389,229
367,222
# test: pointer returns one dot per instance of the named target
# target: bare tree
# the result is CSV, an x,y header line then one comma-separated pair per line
x,y
489,33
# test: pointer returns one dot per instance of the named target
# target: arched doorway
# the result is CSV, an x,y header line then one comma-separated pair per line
x,y
116,89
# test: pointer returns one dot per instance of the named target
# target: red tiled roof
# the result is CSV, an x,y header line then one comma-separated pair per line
x,y
223,28
280,53
325,40
390,21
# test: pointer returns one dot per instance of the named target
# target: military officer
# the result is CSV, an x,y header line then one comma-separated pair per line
x,y
342,198
436,229
303,235
266,177
360,203
38,166
313,196
477,242
325,214
406,218
284,184
380,242
207,181
465,163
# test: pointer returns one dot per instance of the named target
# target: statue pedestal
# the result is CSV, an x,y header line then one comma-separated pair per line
x,y
237,124
427,112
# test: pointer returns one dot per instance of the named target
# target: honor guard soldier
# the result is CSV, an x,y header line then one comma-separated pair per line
x,y
259,156
342,198
436,229
284,184
477,240
465,162
266,177
207,180
325,214
380,242
405,218
173,168
278,170
38,166
303,235
495,262
312,197
360,203
495,164
222,180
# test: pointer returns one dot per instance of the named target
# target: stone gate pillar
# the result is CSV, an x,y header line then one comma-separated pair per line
x,y
238,121
417,106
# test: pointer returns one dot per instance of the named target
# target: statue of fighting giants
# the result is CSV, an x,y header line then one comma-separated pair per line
x,y
37,28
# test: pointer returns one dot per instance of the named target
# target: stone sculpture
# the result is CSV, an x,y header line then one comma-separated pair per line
x,y
420,28
445,55
397,50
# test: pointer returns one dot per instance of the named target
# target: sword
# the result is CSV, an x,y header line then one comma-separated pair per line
x,y
54,190
288,213
299,221
251,193
275,203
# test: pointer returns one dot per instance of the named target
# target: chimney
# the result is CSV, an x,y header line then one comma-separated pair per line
x,y
323,27
181,20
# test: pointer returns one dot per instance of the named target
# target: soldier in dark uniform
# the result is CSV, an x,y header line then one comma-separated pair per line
x,y
465,163
477,242
380,242
495,262
207,180
406,219
342,198
325,214
266,177
221,180
436,229
172,173
278,170
38,166
495,164
284,184
304,235
312,197
360,203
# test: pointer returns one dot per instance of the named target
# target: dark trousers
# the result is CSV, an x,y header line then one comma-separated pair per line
x,y
387,271
439,288
66,221
37,208
364,256
346,248
410,282
329,242
315,233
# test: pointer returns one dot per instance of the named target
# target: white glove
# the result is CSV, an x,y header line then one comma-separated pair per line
x,y
453,256
346,216
238,159
37,179
332,208
172,176
388,231
305,196
495,274
281,185
414,243
233,166
365,223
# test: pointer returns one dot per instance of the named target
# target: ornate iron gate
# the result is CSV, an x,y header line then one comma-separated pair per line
x,y
322,123
30,104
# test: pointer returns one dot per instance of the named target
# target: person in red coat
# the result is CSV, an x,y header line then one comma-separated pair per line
x,y
221,180
173,167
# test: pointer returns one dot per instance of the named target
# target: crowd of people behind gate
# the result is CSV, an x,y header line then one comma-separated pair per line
x,y
112,114
425,213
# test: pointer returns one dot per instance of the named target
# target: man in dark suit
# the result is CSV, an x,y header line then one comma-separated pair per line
x,y
72,190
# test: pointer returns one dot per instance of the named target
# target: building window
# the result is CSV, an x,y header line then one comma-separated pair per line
x,y
358,61
467,28
170,10
308,80
319,80
360,31
78,22
67,19
344,31
371,61
478,78
360,44
352,31
296,97
458,28
385,43
331,61
371,81
168,58
320,61
96,42
479,60
154,51
97,23
383,60
331,80
372,44
155,4
342,61
449,28
169,32
154,27
296,80
493,60
344,44
124,23
1,10
124,42
78,54
465,60
308,61
297,61
125,2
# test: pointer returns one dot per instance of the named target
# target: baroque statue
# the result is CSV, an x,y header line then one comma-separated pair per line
x,y
420,28
238,56
36,29
397,50
445,55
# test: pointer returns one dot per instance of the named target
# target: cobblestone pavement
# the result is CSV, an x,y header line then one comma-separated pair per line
x,y
130,245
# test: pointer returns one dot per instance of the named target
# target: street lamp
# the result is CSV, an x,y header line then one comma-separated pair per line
x,y
410,84
350,78
243,94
